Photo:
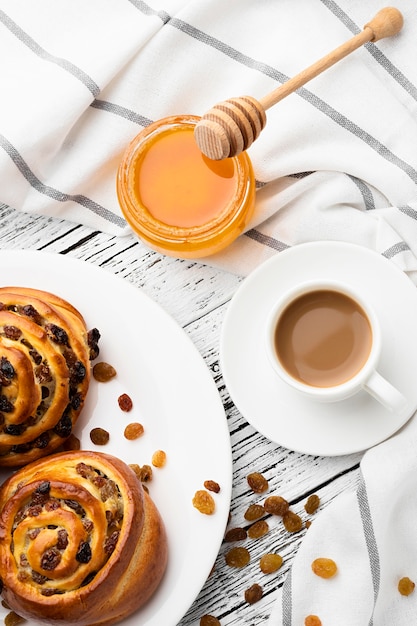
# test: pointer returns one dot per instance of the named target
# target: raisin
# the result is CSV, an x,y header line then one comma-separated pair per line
x,y
110,543
13,619
159,458
14,429
62,542
6,371
270,562
323,567
254,512
99,436
103,372
203,502
312,504
77,373
57,334
211,485
38,578
84,552
312,620
276,505
133,431
146,473
257,482
258,529
43,373
72,443
235,534
292,522
93,337
406,586
125,402
64,427
42,441
41,493
75,506
30,311
209,620
6,406
50,559
12,332
254,594
237,557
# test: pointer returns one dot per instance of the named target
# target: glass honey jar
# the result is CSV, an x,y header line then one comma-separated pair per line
x,y
178,201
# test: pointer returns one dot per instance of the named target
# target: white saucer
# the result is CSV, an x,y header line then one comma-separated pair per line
x,y
277,411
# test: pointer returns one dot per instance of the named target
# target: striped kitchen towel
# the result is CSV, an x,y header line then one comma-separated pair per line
x,y
337,160
371,536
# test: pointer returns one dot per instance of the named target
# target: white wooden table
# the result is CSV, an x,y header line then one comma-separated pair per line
x,y
197,297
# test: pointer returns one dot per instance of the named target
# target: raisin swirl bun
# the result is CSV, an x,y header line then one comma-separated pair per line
x,y
45,354
81,542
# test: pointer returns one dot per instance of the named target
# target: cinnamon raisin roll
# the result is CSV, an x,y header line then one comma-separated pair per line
x,y
45,354
81,542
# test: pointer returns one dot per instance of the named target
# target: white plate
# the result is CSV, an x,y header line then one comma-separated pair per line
x,y
277,411
174,397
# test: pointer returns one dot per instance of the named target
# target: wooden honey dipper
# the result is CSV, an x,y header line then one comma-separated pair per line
x,y
233,125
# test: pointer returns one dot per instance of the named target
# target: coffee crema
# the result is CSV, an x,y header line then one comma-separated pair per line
x,y
323,338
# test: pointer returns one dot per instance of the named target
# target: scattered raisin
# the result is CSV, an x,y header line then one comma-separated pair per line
x,y
312,620
50,559
13,619
406,586
125,402
133,431
159,458
270,563
209,620
99,436
103,372
258,529
203,502
237,557
292,522
276,505
72,443
308,524
257,482
211,485
312,504
323,567
254,594
235,534
146,473
254,512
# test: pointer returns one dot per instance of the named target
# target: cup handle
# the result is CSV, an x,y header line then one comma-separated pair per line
x,y
382,390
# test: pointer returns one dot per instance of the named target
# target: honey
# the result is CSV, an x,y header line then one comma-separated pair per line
x,y
177,200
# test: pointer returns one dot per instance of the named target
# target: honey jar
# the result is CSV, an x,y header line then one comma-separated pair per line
x,y
178,201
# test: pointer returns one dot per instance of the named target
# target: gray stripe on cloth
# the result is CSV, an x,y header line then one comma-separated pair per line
x,y
408,210
116,109
370,540
367,196
147,10
287,601
396,74
69,67
266,240
397,248
34,181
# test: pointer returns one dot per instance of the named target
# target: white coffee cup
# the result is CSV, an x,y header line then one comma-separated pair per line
x,y
324,340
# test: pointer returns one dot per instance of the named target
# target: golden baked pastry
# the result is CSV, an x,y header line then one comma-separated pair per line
x,y
81,542
45,354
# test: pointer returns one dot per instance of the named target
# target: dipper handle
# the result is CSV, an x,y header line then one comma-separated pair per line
x,y
386,23
231,126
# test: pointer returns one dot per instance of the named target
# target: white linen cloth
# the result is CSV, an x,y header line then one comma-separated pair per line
x,y
370,534
337,160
